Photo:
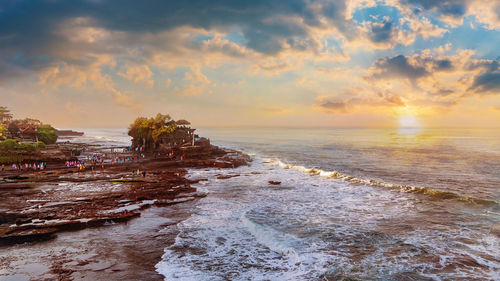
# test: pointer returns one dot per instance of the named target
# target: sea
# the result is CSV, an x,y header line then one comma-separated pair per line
x,y
351,204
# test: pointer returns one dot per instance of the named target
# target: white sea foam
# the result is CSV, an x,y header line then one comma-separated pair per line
x,y
405,188
272,239
305,227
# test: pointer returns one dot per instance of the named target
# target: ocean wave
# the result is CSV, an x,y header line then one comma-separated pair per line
x,y
406,188
271,238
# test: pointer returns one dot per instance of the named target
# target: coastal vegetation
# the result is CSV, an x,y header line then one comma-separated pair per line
x,y
3,131
13,151
28,129
160,131
47,134
22,137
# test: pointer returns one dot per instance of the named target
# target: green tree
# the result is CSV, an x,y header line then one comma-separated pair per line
x,y
150,133
47,134
12,151
3,131
13,130
5,115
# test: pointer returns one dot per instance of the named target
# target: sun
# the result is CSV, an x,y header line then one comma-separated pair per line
x,y
408,121
409,125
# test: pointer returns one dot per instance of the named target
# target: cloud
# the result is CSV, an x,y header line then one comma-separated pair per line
x,y
274,66
414,67
381,32
455,8
431,79
196,83
196,76
453,12
223,46
388,31
356,98
487,83
138,74
399,66
81,76
394,100
334,106
193,47
266,25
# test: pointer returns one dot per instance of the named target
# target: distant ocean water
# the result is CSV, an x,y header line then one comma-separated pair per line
x,y
364,204
101,136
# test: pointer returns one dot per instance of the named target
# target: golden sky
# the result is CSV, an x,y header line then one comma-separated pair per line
x,y
253,63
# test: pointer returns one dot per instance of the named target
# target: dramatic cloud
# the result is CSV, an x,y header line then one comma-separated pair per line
x,y
436,80
372,56
266,25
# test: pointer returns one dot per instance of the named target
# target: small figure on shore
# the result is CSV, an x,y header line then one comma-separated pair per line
x,y
144,173
3,167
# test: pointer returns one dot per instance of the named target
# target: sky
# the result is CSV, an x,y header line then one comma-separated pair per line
x,y
294,63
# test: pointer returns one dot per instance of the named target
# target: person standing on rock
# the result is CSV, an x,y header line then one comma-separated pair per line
x,y
3,167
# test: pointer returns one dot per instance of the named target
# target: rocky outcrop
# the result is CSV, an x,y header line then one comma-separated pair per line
x,y
68,133
37,205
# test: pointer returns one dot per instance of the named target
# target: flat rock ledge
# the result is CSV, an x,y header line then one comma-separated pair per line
x,y
37,205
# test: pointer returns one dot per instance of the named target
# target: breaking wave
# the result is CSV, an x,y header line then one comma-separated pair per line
x,y
406,188
271,238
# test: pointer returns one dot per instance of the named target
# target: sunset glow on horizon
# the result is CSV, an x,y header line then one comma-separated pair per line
x,y
265,63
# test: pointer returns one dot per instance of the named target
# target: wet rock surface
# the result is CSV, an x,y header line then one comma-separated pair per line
x,y
41,211
39,204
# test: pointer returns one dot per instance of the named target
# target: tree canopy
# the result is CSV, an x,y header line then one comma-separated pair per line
x,y
5,115
27,128
47,134
12,151
150,133
3,131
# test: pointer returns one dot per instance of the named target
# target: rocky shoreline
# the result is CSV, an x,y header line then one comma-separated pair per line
x,y
37,205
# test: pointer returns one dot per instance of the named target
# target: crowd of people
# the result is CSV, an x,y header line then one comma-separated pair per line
x,y
96,160
27,166
79,164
